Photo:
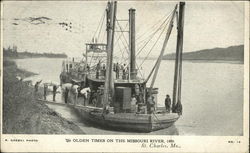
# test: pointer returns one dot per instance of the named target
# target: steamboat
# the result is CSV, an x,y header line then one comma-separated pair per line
x,y
110,94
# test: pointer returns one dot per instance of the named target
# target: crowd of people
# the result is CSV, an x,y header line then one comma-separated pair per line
x,y
137,98
121,70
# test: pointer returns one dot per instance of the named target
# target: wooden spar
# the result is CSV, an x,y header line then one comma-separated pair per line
x,y
170,27
108,19
156,63
178,58
109,84
151,72
181,51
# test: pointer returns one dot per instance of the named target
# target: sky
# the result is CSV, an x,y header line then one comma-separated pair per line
x,y
206,25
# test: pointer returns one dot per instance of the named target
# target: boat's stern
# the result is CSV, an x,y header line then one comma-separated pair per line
x,y
162,121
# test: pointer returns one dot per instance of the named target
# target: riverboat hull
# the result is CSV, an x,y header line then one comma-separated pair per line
x,y
127,121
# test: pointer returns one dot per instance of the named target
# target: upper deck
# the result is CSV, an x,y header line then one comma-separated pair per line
x,y
121,80
96,47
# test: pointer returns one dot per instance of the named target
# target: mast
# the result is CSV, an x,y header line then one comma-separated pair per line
x,y
132,43
109,83
178,58
108,19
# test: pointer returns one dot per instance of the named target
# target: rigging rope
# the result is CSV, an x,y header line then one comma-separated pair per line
x,y
117,42
124,39
122,32
152,27
98,58
152,36
100,22
168,15
154,44
122,51
99,27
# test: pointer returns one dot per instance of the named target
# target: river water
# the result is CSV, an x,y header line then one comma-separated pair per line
x,y
212,96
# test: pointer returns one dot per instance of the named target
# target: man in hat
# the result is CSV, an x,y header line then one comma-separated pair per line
x,y
167,103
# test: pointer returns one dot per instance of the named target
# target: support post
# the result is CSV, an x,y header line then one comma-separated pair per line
x,y
109,82
178,58
108,20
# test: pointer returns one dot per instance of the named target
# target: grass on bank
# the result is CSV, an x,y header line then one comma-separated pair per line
x,y
22,113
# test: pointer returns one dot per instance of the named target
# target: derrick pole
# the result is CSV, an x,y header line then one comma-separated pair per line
x,y
178,58
109,82
158,62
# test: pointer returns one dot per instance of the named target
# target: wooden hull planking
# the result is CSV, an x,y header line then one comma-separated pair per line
x,y
127,121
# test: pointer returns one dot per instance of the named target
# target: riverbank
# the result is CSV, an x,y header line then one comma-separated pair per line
x,y
22,113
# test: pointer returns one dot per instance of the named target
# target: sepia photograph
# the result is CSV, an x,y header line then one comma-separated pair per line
x,y
120,68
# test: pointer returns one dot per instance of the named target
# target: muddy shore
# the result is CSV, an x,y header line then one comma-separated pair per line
x,y
22,113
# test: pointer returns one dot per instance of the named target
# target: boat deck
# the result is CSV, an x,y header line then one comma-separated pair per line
x,y
120,81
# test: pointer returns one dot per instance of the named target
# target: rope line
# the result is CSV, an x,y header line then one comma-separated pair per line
x,y
152,35
99,24
152,27
155,43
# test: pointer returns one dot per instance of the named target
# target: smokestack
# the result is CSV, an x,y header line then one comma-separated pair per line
x,y
133,71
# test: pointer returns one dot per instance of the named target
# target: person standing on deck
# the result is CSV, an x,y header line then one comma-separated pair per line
x,y
124,72
98,68
54,92
137,92
117,70
134,105
45,91
127,72
104,70
167,103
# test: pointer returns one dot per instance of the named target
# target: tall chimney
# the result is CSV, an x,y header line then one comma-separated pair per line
x,y
133,71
